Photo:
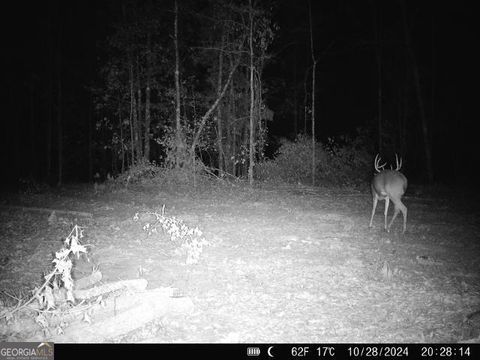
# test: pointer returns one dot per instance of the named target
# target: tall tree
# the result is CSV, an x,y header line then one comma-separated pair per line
x,y
418,93
314,68
133,113
59,113
221,161
178,125
148,82
251,151
377,27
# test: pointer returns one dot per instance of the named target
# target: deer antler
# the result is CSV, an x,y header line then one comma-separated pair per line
x,y
378,167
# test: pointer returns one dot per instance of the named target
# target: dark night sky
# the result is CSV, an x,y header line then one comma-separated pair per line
x,y
346,77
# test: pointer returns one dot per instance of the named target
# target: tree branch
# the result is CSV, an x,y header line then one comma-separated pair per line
x,y
214,106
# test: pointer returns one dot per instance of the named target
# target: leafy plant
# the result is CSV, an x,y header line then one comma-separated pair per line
x,y
348,160
292,162
57,289
190,239
344,160
141,171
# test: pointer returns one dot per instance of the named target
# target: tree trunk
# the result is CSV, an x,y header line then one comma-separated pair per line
x,y
243,168
122,141
33,168
419,96
146,149
90,139
305,101
59,65
59,121
221,161
50,98
260,119
404,118
378,56
138,132
313,123
313,93
295,94
213,107
48,129
251,152
133,114
134,121
233,137
178,128
434,67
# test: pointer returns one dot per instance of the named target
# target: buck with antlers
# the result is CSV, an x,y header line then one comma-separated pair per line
x,y
389,185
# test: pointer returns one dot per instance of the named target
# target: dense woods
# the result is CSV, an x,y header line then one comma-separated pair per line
x,y
229,88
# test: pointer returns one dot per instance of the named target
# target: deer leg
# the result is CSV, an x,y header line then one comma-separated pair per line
x,y
395,213
404,212
387,202
399,207
375,200
403,209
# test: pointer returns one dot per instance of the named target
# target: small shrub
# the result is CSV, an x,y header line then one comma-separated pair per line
x,y
190,241
344,161
268,171
348,161
138,173
293,162
29,186
56,293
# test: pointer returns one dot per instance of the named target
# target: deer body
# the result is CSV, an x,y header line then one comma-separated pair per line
x,y
389,185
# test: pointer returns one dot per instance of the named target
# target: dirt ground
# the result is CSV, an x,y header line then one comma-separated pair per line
x,y
285,264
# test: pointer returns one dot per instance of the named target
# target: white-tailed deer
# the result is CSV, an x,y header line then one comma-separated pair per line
x,y
389,185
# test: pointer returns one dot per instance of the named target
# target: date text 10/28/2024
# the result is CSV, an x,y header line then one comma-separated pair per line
x,y
401,351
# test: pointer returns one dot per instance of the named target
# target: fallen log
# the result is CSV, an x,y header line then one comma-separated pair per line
x,y
47,210
135,285
117,317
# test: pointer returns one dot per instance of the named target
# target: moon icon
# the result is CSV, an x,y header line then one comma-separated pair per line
x,y
269,351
